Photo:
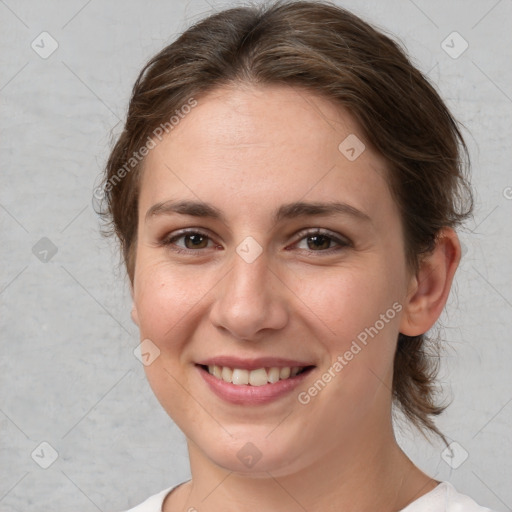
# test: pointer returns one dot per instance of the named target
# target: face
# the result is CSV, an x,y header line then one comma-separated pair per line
x,y
265,233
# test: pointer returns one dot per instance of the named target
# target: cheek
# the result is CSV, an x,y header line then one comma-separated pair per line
x,y
348,300
359,310
164,296
165,303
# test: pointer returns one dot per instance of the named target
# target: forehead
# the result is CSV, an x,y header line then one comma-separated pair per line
x,y
253,146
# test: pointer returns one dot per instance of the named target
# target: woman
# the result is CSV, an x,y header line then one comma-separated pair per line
x,y
285,192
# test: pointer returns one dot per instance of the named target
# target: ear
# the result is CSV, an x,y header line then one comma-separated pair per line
x,y
430,286
135,316
134,313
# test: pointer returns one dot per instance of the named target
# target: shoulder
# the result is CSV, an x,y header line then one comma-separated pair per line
x,y
153,503
445,498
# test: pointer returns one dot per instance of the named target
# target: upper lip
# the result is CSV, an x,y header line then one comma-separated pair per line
x,y
252,364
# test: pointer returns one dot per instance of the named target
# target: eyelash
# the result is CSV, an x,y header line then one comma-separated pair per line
x,y
342,242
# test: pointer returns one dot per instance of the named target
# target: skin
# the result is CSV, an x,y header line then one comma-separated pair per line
x,y
247,150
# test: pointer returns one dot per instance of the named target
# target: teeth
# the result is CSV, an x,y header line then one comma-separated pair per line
x,y
273,375
216,371
285,372
258,377
240,377
226,374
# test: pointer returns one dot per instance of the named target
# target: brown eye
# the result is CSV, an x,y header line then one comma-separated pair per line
x,y
318,242
322,242
196,241
191,241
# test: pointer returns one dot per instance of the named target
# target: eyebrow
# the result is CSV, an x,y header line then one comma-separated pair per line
x,y
286,211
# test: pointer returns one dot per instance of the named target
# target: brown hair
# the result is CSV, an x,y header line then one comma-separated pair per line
x,y
330,52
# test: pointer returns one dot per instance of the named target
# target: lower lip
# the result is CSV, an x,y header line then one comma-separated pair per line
x,y
251,395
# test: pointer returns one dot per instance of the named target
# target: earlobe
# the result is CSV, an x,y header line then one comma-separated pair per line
x,y
135,316
431,285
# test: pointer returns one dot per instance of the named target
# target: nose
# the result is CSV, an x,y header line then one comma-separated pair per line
x,y
250,301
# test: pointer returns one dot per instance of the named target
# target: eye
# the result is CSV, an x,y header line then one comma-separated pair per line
x,y
320,240
316,240
190,240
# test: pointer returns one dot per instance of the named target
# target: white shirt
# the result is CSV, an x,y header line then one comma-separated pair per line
x,y
443,498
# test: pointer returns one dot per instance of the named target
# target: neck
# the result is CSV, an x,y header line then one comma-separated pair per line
x,y
364,474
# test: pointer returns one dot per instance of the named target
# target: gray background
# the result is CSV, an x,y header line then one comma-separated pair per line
x,y
68,375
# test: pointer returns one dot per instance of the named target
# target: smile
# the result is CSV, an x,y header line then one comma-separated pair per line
x,y
252,387
258,377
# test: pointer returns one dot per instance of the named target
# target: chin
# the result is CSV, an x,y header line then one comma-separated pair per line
x,y
250,453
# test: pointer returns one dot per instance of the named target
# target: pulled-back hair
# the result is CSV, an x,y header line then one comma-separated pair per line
x,y
330,52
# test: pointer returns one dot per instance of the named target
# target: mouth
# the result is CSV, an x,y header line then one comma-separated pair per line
x,y
258,386
257,377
